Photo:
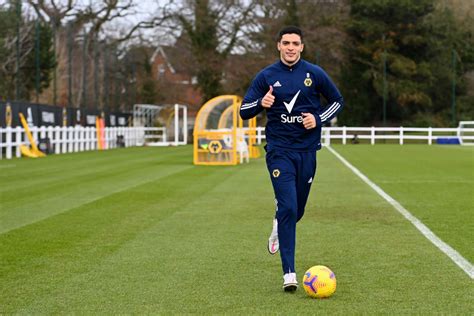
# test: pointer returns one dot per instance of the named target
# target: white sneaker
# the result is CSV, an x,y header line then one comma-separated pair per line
x,y
289,282
273,244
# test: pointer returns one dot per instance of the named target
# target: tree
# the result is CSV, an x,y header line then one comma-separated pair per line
x,y
324,35
292,13
406,37
452,60
148,89
45,58
8,22
29,42
259,47
80,34
214,29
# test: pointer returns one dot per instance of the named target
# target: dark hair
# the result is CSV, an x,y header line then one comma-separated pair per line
x,y
290,30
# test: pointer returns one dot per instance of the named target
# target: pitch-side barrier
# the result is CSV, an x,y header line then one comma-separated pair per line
x,y
389,135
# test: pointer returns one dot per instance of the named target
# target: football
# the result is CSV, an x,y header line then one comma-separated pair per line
x,y
319,282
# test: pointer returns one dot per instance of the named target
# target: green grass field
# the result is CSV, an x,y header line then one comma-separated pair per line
x,y
142,230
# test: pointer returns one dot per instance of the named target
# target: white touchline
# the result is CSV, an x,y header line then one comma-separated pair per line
x,y
462,262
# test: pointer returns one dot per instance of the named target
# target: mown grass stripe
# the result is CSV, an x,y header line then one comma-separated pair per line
x,y
59,168
71,184
455,256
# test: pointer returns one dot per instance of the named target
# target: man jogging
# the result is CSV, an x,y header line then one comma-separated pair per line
x,y
289,90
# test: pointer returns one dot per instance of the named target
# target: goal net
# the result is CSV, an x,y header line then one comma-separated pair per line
x,y
466,132
163,125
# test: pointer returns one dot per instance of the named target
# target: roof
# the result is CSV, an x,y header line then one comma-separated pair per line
x,y
179,58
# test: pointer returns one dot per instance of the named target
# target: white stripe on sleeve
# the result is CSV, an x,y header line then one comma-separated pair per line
x,y
246,106
330,111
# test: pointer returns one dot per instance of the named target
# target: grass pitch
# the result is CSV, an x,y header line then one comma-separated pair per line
x,y
435,183
142,230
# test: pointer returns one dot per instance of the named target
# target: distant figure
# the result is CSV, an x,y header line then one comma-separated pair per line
x,y
355,139
289,91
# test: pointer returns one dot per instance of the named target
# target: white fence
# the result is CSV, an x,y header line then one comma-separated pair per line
x,y
75,139
400,135
69,139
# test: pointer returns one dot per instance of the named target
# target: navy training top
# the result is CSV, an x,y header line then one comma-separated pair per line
x,y
297,89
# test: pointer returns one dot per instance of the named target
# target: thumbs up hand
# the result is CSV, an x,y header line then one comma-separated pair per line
x,y
268,99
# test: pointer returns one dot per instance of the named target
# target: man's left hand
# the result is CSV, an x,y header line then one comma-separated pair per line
x,y
309,121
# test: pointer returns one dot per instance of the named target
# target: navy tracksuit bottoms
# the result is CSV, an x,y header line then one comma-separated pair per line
x,y
292,174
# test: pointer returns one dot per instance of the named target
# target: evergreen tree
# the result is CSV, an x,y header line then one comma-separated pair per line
x,y
7,34
47,61
451,57
292,13
148,90
26,56
204,43
413,42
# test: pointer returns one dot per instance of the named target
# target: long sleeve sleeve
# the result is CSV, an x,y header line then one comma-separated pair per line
x,y
252,102
333,97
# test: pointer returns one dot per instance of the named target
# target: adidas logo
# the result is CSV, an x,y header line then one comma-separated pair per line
x,y
277,84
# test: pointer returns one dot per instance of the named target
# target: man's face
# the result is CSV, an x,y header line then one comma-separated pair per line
x,y
290,48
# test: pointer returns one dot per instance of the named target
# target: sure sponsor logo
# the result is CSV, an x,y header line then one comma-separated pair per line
x,y
291,118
